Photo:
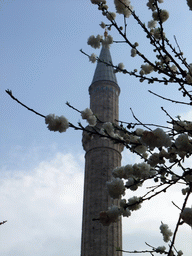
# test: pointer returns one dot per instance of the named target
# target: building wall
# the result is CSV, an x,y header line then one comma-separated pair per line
x,y
101,157
99,163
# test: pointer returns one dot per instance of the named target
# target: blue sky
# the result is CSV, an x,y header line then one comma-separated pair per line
x,y
41,183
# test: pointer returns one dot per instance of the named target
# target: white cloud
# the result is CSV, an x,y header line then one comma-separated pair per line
x,y
187,116
43,208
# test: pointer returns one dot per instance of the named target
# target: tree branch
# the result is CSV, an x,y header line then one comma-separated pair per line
x,y
9,92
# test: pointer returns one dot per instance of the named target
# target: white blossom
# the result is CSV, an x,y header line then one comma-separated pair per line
x,y
92,120
98,1
142,171
88,115
186,216
113,212
154,159
93,58
130,182
185,190
156,32
188,79
156,138
160,249
121,65
188,126
147,68
166,232
109,216
188,178
158,158
122,9
124,210
139,131
107,41
119,172
134,203
94,41
108,127
128,169
164,15
151,6
132,185
182,143
182,126
172,154
56,123
141,149
136,44
115,188
173,68
103,25
111,16
190,68
179,126
133,52
152,24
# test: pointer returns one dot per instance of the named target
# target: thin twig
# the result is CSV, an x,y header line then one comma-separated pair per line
x,y
3,222
135,124
180,55
174,101
69,105
139,121
176,205
9,92
178,223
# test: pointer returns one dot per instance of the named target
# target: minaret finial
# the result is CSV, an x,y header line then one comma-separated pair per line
x,y
105,33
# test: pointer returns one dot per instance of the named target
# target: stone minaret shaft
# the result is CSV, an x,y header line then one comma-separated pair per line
x,y
101,157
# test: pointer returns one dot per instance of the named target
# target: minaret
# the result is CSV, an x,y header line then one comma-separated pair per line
x,y
101,157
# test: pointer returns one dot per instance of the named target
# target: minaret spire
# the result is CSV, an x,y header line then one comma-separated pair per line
x,y
101,157
102,71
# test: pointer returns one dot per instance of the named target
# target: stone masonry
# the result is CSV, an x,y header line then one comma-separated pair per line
x,y
101,157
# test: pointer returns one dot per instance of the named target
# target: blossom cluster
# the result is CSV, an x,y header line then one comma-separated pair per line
x,y
166,232
186,216
182,126
124,7
56,123
116,188
140,171
98,1
93,58
114,212
89,116
161,147
151,5
160,249
96,42
109,216
61,124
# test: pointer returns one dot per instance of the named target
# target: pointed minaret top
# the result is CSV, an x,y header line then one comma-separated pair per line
x,y
102,71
